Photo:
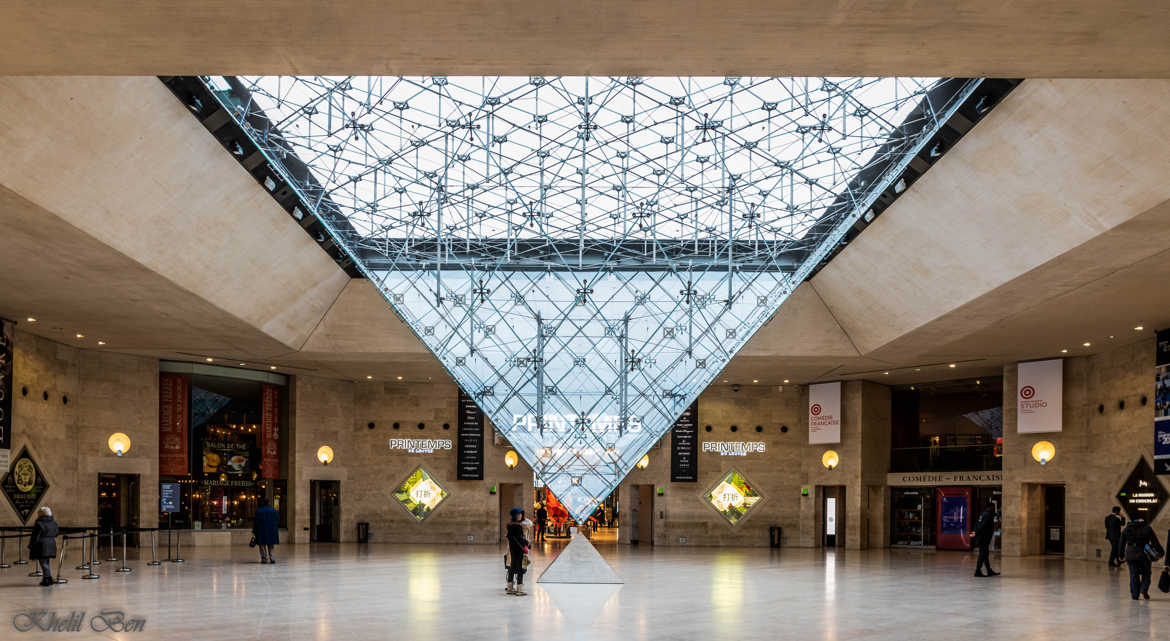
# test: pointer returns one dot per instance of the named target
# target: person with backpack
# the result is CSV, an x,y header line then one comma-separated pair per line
x,y
1141,548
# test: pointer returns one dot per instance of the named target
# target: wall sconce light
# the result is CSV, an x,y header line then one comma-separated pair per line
x,y
511,459
118,443
644,463
1043,452
325,454
830,459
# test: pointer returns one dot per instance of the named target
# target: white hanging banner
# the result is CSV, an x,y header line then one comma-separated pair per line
x,y
824,413
1039,396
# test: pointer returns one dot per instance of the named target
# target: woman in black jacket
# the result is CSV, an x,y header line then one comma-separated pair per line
x,y
42,544
517,550
1134,539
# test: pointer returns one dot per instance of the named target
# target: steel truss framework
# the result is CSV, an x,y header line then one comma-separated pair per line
x,y
584,255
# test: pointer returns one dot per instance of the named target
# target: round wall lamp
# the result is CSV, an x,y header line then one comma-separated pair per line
x,y
644,462
118,443
325,454
1043,452
830,459
511,459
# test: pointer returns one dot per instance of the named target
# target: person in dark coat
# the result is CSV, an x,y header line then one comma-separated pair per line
x,y
1113,525
541,520
984,533
265,527
1134,539
42,544
517,549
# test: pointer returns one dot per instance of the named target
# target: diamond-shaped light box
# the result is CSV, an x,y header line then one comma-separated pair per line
x,y
733,497
584,255
420,494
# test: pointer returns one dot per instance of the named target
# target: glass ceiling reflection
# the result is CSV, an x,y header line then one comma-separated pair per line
x,y
584,255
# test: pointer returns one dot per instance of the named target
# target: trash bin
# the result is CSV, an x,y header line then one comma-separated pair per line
x,y
775,533
363,532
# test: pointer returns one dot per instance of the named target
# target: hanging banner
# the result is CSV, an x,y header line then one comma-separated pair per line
x,y
172,424
1162,403
1039,396
270,432
469,455
824,413
6,356
684,447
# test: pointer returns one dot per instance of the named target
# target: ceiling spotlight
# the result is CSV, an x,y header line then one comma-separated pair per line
x,y
33,320
209,359
271,367
1086,343
1064,351
298,214
1136,329
79,335
786,380
952,366
101,342
869,215
917,369
978,382
886,373
755,380
399,377
243,364
369,378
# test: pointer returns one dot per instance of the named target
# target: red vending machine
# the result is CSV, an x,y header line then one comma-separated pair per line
x,y
954,518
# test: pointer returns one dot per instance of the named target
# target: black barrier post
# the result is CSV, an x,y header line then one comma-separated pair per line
x,y
93,549
61,561
123,568
154,548
19,549
93,539
85,565
178,555
3,565
112,557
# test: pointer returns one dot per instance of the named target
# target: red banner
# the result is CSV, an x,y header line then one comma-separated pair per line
x,y
172,424
270,432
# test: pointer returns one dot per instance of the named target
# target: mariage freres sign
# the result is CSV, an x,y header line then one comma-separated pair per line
x,y
420,445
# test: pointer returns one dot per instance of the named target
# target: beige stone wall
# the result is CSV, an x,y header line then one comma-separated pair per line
x,y
106,393
789,465
337,413
1095,452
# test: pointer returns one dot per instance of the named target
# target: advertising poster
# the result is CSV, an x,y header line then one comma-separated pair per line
x,y
954,518
684,447
24,485
172,424
6,355
824,413
270,432
469,454
1039,396
1162,403
168,497
226,458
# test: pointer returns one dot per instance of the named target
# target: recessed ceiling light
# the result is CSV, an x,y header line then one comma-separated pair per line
x,y
917,369
952,365
726,381
101,342
786,380
1064,351
81,335
1086,343
978,382
911,388
243,364
886,373
31,319
399,378
209,359
1111,337
1136,329
369,378
755,380
271,367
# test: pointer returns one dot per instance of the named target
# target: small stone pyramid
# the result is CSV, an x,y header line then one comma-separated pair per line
x,y
579,562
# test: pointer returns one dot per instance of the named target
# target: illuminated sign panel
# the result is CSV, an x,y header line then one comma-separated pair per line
x,y
734,448
1143,494
420,445
420,494
733,497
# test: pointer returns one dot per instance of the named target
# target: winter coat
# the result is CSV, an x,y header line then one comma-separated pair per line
x,y
42,544
265,526
516,543
1134,539
984,529
1113,525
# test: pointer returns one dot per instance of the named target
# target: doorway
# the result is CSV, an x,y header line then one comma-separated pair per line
x,y
511,495
833,516
1054,519
642,514
118,503
325,511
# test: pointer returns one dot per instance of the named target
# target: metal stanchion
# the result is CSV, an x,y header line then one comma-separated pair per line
x,y
93,538
112,557
3,540
93,548
123,568
85,564
19,549
154,548
178,556
61,561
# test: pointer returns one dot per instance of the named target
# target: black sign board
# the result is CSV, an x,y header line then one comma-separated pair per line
x,y
1143,494
5,385
24,485
1162,347
168,497
1162,402
684,447
469,458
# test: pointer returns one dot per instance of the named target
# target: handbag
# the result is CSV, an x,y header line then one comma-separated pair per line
x,y
1153,553
1164,580
252,543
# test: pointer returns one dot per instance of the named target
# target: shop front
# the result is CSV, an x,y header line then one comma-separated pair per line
x,y
939,509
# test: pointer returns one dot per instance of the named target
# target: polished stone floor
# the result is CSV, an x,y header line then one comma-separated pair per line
x,y
418,592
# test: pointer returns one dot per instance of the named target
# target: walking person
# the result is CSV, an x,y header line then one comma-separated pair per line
x,y
1135,539
42,543
265,526
1113,525
541,520
984,533
517,553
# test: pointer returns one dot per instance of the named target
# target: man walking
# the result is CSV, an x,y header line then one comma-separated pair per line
x,y
266,530
984,533
1113,525
1134,539
541,519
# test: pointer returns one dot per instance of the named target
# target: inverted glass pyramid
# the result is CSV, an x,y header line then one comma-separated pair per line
x,y
584,255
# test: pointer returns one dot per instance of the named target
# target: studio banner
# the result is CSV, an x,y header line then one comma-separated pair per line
x,y
270,432
6,355
173,392
1039,396
1162,402
824,413
684,447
